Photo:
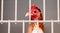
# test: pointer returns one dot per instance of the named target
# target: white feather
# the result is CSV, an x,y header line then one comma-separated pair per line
x,y
37,29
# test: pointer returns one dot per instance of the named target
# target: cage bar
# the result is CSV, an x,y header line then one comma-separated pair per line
x,y
44,10
58,9
29,9
52,27
29,21
15,10
9,26
1,10
23,26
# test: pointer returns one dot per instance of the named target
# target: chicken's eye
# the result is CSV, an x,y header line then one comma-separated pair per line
x,y
34,11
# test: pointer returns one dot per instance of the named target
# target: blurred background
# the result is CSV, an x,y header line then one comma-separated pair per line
x,y
51,10
3,27
56,27
22,8
9,10
16,27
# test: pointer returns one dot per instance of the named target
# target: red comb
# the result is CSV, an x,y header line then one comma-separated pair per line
x,y
33,6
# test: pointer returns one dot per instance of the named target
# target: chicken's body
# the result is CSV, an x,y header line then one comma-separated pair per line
x,y
35,27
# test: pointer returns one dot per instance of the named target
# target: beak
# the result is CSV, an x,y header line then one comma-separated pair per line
x,y
27,14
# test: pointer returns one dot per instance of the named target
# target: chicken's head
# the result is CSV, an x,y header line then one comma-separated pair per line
x,y
35,13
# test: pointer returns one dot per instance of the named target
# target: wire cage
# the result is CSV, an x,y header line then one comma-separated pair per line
x,y
23,22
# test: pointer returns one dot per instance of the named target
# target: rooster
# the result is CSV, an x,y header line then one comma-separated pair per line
x,y
36,14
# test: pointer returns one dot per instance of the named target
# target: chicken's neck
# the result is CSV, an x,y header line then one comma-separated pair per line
x,y
36,28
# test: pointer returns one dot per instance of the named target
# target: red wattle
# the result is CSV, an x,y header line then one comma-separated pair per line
x,y
33,17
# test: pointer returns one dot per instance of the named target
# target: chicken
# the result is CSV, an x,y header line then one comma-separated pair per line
x,y
36,14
